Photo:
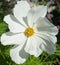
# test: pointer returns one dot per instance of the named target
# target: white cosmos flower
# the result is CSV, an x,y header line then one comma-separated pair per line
x,y
50,8
30,32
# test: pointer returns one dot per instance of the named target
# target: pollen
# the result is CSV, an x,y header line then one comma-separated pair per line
x,y
29,32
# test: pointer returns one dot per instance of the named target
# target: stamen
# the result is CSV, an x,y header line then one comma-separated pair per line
x,y
29,32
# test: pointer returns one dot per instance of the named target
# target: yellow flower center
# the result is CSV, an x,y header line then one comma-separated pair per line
x,y
29,32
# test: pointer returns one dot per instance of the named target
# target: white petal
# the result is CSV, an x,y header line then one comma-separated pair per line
x,y
47,48
18,55
43,25
32,46
48,36
48,43
35,13
13,39
13,24
51,8
21,9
